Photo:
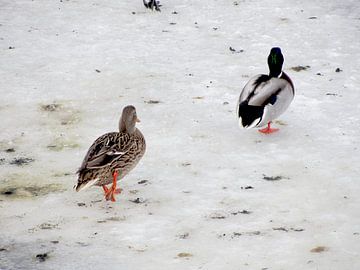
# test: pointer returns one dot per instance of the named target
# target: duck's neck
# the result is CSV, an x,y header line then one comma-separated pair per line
x,y
125,127
275,62
275,71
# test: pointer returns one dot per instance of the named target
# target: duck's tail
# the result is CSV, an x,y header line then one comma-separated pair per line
x,y
84,181
249,116
84,185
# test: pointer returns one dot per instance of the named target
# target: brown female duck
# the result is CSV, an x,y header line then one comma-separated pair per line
x,y
113,155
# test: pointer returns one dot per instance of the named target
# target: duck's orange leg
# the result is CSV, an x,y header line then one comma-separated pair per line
x,y
106,190
268,129
110,193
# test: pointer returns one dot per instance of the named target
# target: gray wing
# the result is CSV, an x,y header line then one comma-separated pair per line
x,y
261,89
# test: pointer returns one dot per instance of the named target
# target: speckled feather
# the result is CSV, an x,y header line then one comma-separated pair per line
x,y
111,151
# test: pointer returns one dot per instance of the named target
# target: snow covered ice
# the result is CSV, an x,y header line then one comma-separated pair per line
x,y
215,196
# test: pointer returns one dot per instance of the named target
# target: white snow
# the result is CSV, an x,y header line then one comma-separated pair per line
x,y
198,162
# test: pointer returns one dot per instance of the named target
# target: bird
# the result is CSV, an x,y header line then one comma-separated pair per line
x,y
112,156
266,97
152,4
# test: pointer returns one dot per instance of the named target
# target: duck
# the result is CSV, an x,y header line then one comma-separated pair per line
x,y
152,4
112,156
265,97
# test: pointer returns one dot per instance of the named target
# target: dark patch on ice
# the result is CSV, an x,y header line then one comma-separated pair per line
x,y
338,70
29,191
3,249
48,226
319,249
297,229
254,233
217,216
235,3
116,218
215,28
247,187
81,204
319,74
287,230
10,150
11,47
8,192
42,257
225,103
174,12
274,178
138,201
235,234
184,235
151,101
185,164
98,71
332,94
300,68
82,244
281,229
184,255
251,233
312,18
133,12
244,212
172,23
21,161
141,182
235,51
54,242
2,160
51,107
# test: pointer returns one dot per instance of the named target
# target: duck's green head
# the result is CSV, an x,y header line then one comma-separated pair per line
x,y
275,62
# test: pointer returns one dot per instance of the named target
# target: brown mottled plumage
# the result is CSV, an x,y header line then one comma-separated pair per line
x,y
113,155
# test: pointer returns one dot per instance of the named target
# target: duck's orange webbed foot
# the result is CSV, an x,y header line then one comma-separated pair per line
x,y
110,192
268,129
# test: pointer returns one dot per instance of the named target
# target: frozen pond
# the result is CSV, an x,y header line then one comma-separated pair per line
x,y
206,195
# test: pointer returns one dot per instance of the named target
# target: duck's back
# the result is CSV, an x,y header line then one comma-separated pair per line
x,y
112,151
264,98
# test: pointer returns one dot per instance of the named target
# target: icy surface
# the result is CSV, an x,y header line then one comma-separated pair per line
x,y
216,196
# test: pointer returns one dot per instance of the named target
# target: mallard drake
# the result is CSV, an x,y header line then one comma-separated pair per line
x,y
113,155
152,4
266,97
